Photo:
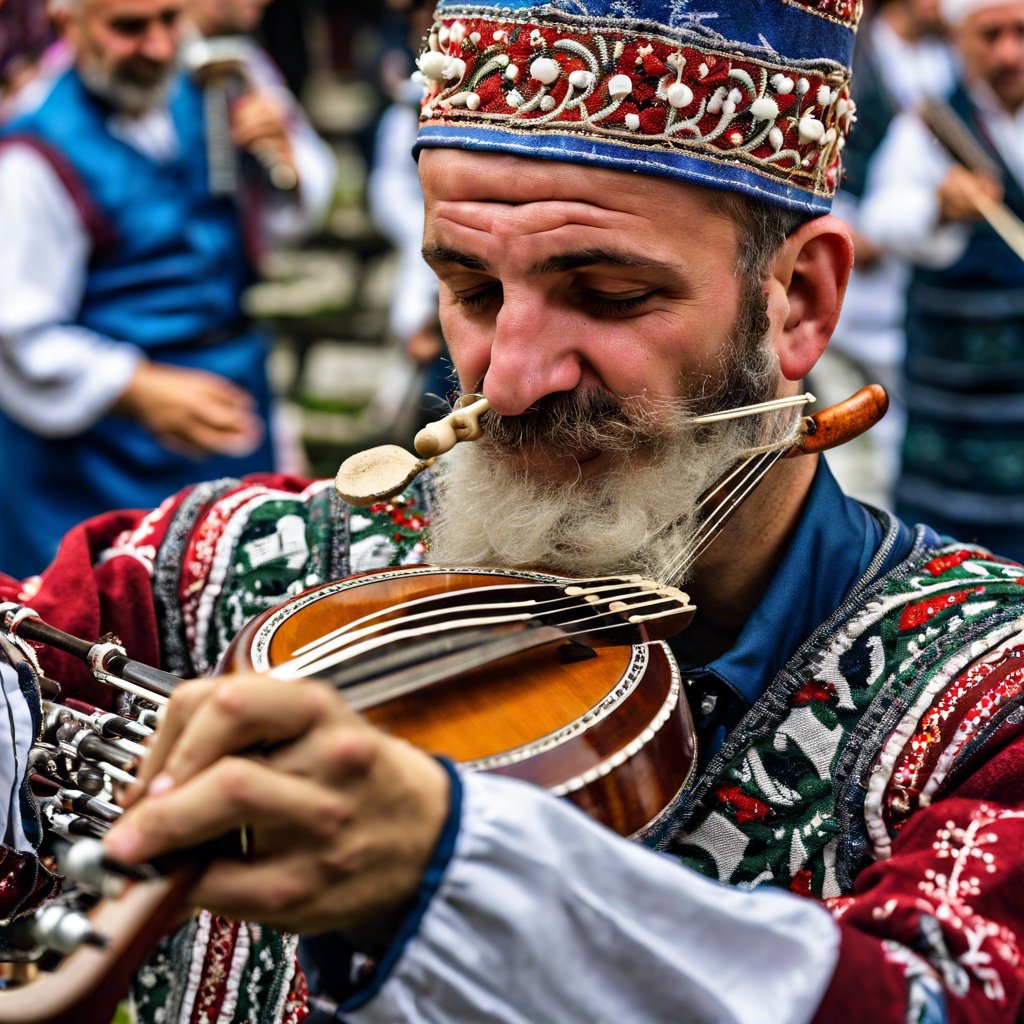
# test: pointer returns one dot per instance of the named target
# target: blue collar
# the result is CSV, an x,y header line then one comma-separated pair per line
x,y
836,538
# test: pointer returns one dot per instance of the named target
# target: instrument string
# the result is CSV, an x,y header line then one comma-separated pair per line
x,y
363,696
355,628
346,646
713,524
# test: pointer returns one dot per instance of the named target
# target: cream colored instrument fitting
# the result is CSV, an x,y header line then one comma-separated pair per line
x,y
380,473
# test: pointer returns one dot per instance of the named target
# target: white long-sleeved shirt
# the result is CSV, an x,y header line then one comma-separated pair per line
x,y
900,208
18,737
57,378
870,325
546,893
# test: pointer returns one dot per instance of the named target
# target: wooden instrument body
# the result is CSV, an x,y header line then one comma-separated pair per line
x,y
611,732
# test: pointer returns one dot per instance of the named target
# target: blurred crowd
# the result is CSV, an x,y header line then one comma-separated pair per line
x,y
148,164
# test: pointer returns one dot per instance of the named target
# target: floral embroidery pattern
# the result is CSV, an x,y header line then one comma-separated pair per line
x,y
628,88
847,12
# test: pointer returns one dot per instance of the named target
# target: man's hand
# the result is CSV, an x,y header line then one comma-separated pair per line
x,y
260,125
958,191
343,818
192,411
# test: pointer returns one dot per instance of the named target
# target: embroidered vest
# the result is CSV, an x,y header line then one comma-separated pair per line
x,y
878,713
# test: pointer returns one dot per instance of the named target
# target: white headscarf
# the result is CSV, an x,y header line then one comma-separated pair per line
x,y
955,11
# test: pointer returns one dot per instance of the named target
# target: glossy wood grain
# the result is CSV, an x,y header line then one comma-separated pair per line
x,y
612,732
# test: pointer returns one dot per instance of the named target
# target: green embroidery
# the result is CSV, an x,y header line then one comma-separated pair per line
x,y
781,806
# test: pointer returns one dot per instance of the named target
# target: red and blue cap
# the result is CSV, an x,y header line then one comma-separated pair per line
x,y
747,95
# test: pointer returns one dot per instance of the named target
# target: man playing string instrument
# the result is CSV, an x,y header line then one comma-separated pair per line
x,y
626,206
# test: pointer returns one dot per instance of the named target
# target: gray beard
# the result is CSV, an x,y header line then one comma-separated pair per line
x,y
124,96
640,515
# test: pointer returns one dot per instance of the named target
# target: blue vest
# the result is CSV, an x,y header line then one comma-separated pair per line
x,y
963,453
166,272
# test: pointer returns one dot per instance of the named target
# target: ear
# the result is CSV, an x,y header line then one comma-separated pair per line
x,y
805,289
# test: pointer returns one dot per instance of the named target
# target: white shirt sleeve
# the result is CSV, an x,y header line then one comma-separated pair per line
x,y
18,735
899,210
545,917
56,378
396,203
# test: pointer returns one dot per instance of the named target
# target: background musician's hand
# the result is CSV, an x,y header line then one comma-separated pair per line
x,y
343,818
192,411
260,124
956,194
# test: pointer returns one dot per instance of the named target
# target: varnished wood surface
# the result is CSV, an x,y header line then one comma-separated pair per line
x,y
522,705
844,421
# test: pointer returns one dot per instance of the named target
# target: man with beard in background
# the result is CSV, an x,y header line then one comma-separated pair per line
x,y
130,369
855,683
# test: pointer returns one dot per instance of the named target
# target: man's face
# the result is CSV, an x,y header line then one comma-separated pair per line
x,y
595,310
126,49
992,43
561,279
925,16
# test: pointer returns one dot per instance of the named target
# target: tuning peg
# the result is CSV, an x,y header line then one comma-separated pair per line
x,y
87,862
59,928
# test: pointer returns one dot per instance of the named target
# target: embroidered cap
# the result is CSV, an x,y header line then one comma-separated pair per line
x,y
749,95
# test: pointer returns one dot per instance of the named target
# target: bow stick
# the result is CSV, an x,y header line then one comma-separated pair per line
x,y
956,139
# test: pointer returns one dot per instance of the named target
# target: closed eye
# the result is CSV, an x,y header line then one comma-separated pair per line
x,y
602,304
478,298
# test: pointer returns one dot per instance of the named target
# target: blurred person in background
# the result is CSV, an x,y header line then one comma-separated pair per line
x,y
265,121
27,51
963,451
129,368
396,203
902,56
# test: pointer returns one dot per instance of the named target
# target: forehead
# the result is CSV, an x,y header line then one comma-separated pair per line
x,y
999,16
111,9
537,202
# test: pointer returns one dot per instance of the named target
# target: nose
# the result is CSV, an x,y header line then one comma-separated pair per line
x,y
534,352
160,43
1010,50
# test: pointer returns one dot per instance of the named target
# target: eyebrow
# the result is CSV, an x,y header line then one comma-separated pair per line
x,y
589,257
439,253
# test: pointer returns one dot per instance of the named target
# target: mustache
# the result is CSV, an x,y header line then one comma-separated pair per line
x,y
589,420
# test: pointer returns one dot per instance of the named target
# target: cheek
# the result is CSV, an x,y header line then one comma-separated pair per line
x,y
661,353
110,49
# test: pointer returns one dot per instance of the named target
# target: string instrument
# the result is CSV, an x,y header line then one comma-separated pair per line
x,y
565,683
220,67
